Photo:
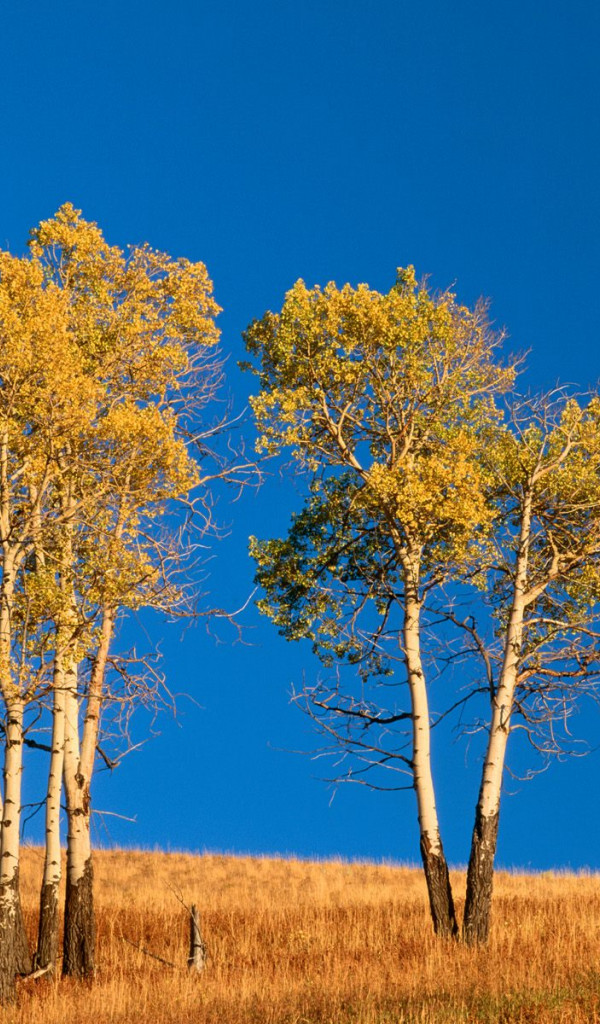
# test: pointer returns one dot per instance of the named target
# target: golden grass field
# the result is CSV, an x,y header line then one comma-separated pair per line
x,y
329,943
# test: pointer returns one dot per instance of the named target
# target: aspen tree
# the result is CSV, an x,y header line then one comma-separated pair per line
x,y
544,583
380,398
40,394
107,365
129,570
143,325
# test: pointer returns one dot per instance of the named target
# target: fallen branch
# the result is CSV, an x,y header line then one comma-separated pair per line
x,y
39,973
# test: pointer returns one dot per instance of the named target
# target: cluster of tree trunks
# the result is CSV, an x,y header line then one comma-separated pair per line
x,y
108,361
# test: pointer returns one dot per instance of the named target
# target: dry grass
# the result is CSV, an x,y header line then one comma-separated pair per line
x,y
319,943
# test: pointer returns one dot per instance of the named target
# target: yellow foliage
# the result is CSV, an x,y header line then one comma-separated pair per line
x,y
105,362
398,387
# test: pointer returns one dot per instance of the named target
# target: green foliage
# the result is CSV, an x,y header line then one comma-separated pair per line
x,y
330,580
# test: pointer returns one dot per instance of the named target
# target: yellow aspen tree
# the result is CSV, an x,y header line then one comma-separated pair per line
x,y
381,399
40,393
143,325
108,368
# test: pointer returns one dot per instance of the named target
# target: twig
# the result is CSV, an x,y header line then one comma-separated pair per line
x,y
113,814
179,897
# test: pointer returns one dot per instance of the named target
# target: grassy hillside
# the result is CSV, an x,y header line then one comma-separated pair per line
x,y
327,942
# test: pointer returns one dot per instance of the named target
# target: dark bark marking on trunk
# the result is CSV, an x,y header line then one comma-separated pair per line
x,y
480,880
80,926
441,902
47,948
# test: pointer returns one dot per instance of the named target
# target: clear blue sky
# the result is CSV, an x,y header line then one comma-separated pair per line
x,y
323,139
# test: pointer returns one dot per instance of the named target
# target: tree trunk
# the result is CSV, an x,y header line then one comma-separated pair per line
x,y
439,890
48,929
10,923
80,923
80,931
10,834
79,767
47,948
480,879
441,902
14,948
480,874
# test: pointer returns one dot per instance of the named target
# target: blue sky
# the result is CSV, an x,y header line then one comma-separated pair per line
x,y
330,140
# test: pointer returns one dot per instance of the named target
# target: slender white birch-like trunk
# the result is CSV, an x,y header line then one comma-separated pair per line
x,y
12,928
480,875
79,937
434,862
14,950
48,930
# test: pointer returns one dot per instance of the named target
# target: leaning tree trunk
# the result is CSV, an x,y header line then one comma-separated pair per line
x,y
14,949
480,874
47,948
439,889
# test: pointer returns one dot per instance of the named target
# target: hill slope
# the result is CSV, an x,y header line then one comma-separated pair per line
x,y
318,943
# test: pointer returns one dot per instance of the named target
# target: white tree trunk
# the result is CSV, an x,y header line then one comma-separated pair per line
x,y
432,853
79,939
14,950
13,768
480,875
47,950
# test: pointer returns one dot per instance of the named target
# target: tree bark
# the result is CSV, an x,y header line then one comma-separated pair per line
x,y
439,890
480,879
10,903
47,947
80,931
79,936
437,877
80,924
480,874
48,928
14,948
9,942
